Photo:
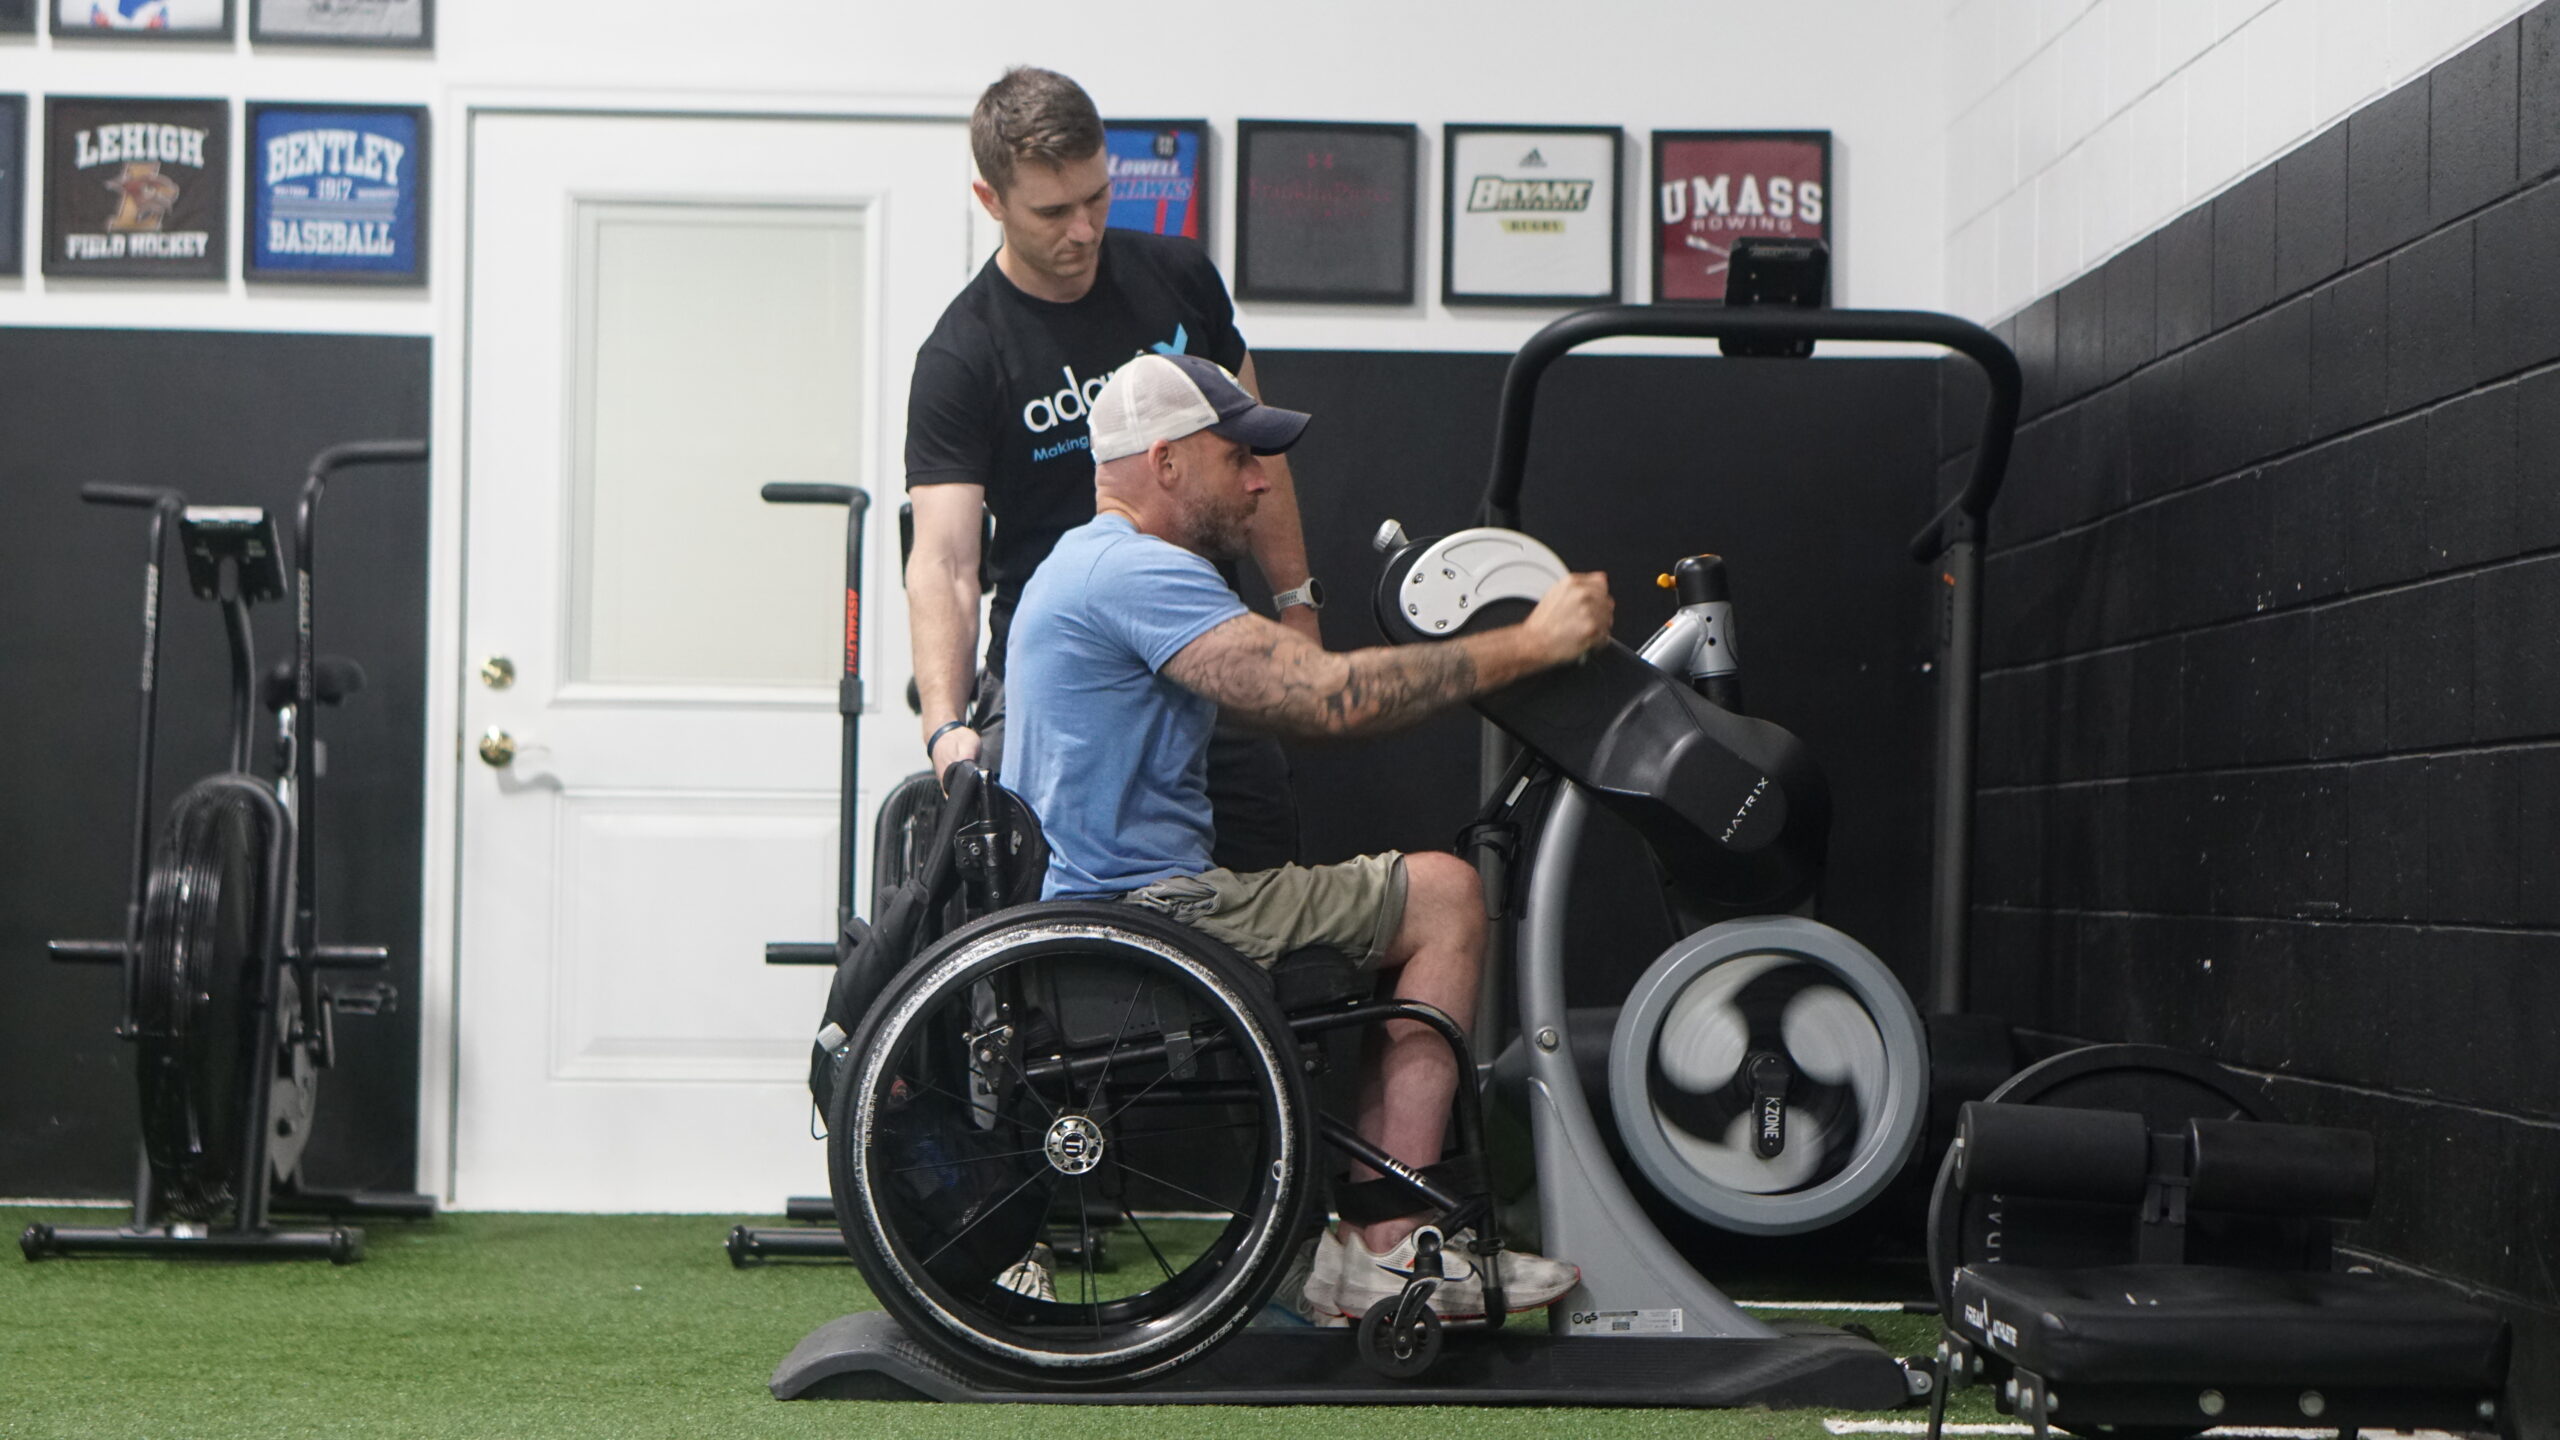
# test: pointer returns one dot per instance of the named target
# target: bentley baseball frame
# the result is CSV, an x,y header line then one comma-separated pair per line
x,y
1712,187
1532,215
372,24
334,194
1327,212
1159,176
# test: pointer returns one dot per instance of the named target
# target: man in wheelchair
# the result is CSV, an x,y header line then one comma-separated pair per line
x,y
1126,648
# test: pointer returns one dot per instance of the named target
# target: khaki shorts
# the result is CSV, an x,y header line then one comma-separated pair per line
x,y
1353,907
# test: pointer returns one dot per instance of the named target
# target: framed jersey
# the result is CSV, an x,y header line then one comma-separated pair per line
x,y
1159,176
1326,212
336,193
136,187
143,19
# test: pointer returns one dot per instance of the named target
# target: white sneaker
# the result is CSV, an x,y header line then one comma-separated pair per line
x,y
1030,1275
1529,1282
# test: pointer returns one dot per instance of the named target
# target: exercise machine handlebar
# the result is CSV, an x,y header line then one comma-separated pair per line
x,y
1951,541
135,495
306,746
857,503
1961,519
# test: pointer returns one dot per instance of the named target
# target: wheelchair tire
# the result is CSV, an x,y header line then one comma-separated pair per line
x,y
1089,1054
196,994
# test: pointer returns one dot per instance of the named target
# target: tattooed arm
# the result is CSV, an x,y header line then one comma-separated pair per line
x,y
1272,677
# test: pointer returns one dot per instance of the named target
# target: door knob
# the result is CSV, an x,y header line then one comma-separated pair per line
x,y
497,672
497,747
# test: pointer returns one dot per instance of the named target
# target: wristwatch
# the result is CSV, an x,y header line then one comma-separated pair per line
x,y
1310,595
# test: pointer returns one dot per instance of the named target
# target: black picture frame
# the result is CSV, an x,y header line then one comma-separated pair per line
x,y
264,29
13,184
1327,242
1678,150
17,17
131,236
197,34
1124,140
256,199
1457,188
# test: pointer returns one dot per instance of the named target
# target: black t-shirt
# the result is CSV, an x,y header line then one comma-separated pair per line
x,y
1002,387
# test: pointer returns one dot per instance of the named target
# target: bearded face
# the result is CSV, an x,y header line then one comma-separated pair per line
x,y
1216,504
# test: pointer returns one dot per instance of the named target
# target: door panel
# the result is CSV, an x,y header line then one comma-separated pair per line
x,y
665,314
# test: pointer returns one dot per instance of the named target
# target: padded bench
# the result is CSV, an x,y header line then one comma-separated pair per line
x,y
2167,1346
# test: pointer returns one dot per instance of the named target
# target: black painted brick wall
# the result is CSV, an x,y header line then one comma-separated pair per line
x,y
2271,713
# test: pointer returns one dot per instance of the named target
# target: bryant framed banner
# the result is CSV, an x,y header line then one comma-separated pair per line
x,y
1159,176
1326,212
13,182
405,24
136,188
17,17
1711,187
1531,214
335,193
143,19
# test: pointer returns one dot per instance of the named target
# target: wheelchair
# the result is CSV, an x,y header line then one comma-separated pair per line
x,y
1110,1063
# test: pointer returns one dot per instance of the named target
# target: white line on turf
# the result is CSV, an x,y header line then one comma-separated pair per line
x,y
2225,1431
1881,1307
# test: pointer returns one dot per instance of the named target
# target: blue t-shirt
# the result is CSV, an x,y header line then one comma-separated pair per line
x,y
1113,756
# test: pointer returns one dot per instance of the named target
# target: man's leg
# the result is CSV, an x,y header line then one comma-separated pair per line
x,y
1406,1089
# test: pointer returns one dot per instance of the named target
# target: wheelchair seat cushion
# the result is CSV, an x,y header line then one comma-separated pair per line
x,y
1316,975
2219,1325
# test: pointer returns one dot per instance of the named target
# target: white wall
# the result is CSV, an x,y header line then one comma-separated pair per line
x,y
2079,126
1864,69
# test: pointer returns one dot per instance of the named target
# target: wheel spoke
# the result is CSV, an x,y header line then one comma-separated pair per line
x,y
1095,1098
1145,1239
967,1160
1084,1234
1027,1183
1230,1210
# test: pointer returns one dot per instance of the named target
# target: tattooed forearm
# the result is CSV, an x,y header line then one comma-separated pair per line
x,y
1271,677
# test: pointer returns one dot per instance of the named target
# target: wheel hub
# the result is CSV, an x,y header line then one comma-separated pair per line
x,y
1074,1144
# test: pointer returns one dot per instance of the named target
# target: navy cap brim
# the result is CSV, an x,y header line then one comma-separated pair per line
x,y
1265,429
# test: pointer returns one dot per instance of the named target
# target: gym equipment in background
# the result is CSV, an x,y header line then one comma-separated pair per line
x,y
812,1235
2132,1242
1821,1038
225,999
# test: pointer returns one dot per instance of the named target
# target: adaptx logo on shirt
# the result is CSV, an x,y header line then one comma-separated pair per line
x,y
1074,400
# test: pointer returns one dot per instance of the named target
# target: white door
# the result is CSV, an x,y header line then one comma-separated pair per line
x,y
665,314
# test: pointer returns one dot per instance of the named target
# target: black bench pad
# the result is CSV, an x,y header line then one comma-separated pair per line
x,y
2217,1325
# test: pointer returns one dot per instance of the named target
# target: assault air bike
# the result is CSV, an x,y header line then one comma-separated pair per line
x,y
230,999
1768,1073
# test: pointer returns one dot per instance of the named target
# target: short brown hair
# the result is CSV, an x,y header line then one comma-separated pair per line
x,y
1032,114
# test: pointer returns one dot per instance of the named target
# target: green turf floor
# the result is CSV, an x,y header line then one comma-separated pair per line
x,y
561,1325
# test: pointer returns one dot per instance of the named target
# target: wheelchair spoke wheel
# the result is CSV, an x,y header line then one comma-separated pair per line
x,y
1090,1062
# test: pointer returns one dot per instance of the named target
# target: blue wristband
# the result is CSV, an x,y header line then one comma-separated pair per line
x,y
945,728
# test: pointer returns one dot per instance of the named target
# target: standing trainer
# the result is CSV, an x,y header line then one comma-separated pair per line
x,y
996,417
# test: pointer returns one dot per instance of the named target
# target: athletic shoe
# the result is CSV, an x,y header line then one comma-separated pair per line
x,y
1529,1282
1030,1275
1291,1303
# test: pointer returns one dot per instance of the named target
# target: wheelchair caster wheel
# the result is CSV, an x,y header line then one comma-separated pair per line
x,y
1399,1351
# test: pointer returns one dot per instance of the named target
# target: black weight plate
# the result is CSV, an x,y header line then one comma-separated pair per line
x,y
2167,1088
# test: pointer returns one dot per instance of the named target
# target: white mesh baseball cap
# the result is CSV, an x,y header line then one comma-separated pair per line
x,y
1165,397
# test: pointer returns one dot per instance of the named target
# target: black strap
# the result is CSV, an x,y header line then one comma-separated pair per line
x,y
1391,1197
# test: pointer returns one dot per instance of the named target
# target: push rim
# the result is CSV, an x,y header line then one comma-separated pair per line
x,y
1095,1054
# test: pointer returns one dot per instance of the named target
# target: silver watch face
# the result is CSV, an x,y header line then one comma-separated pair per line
x,y
1310,595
